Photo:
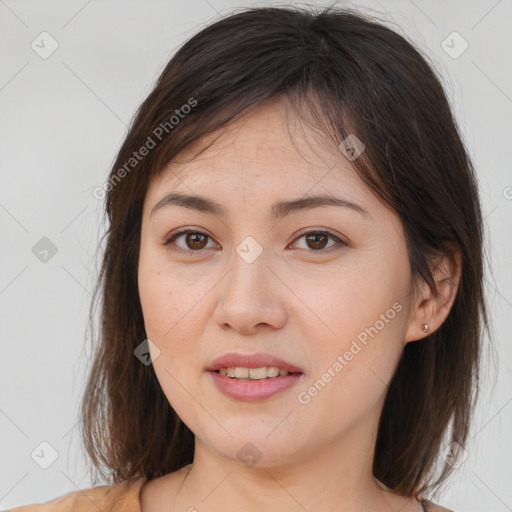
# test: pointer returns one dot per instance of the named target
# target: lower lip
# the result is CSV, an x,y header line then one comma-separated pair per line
x,y
253,390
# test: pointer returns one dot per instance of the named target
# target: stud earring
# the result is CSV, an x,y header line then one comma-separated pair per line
x,y
425,327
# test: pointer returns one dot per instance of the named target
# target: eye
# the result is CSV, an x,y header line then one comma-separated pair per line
x,y
317,240
195,241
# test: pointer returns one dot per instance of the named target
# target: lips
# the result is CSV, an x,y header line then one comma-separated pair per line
x,y
258,360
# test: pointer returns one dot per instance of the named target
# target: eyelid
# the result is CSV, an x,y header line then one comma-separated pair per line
x,y
323,231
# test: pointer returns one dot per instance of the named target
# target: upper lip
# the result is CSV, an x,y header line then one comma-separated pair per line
x,y
258,360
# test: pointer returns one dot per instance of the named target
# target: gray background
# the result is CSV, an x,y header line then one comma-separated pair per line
x,y
62,120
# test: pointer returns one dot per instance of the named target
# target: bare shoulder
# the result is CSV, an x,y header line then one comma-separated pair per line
x,y
109,498
157,494
433,507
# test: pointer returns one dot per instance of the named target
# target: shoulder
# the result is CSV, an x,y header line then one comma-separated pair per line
x,y
123,496
432,507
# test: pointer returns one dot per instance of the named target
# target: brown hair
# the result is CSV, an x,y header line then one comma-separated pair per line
x,y
350,75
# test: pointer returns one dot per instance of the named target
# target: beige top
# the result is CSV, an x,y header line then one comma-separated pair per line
x,y
121,497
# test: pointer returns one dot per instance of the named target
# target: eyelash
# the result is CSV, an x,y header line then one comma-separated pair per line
x,y
300,234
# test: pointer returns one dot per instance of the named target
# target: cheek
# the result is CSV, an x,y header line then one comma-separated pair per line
x,y
166,296
349,379
170,302
153,297
340,306
169,323
362,321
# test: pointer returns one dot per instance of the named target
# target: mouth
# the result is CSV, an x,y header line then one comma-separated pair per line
x,y
261,373
257,366
253,377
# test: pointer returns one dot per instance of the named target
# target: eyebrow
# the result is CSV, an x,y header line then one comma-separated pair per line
x,y
279,209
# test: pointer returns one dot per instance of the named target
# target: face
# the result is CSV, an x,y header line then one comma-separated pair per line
x,y
324,288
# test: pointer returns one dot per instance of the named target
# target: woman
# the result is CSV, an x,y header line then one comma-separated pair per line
x,y
291,288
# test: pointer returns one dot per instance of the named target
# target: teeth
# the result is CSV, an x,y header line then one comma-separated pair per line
x,y
241,373
253,373
273,371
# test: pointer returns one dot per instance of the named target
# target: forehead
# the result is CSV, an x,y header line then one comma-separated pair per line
x,y
269,147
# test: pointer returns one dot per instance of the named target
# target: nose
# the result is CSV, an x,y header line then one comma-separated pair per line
x,y
251,296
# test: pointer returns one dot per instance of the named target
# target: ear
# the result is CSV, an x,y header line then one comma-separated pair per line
x,y
430,306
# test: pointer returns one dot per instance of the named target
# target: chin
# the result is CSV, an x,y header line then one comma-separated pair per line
x,y
257,450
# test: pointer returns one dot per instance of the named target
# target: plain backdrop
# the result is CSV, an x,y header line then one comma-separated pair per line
x,y
63,117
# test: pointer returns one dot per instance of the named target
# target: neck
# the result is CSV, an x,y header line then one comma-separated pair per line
x,y
343,475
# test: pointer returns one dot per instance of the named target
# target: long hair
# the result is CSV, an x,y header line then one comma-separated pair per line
x,y
348,74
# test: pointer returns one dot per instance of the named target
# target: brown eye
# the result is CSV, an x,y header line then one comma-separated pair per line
x,y
194,241
317,241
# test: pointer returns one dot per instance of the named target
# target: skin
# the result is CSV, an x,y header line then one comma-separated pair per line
x,y
303,302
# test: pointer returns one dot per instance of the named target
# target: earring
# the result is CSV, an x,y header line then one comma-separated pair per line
x,y
425,327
